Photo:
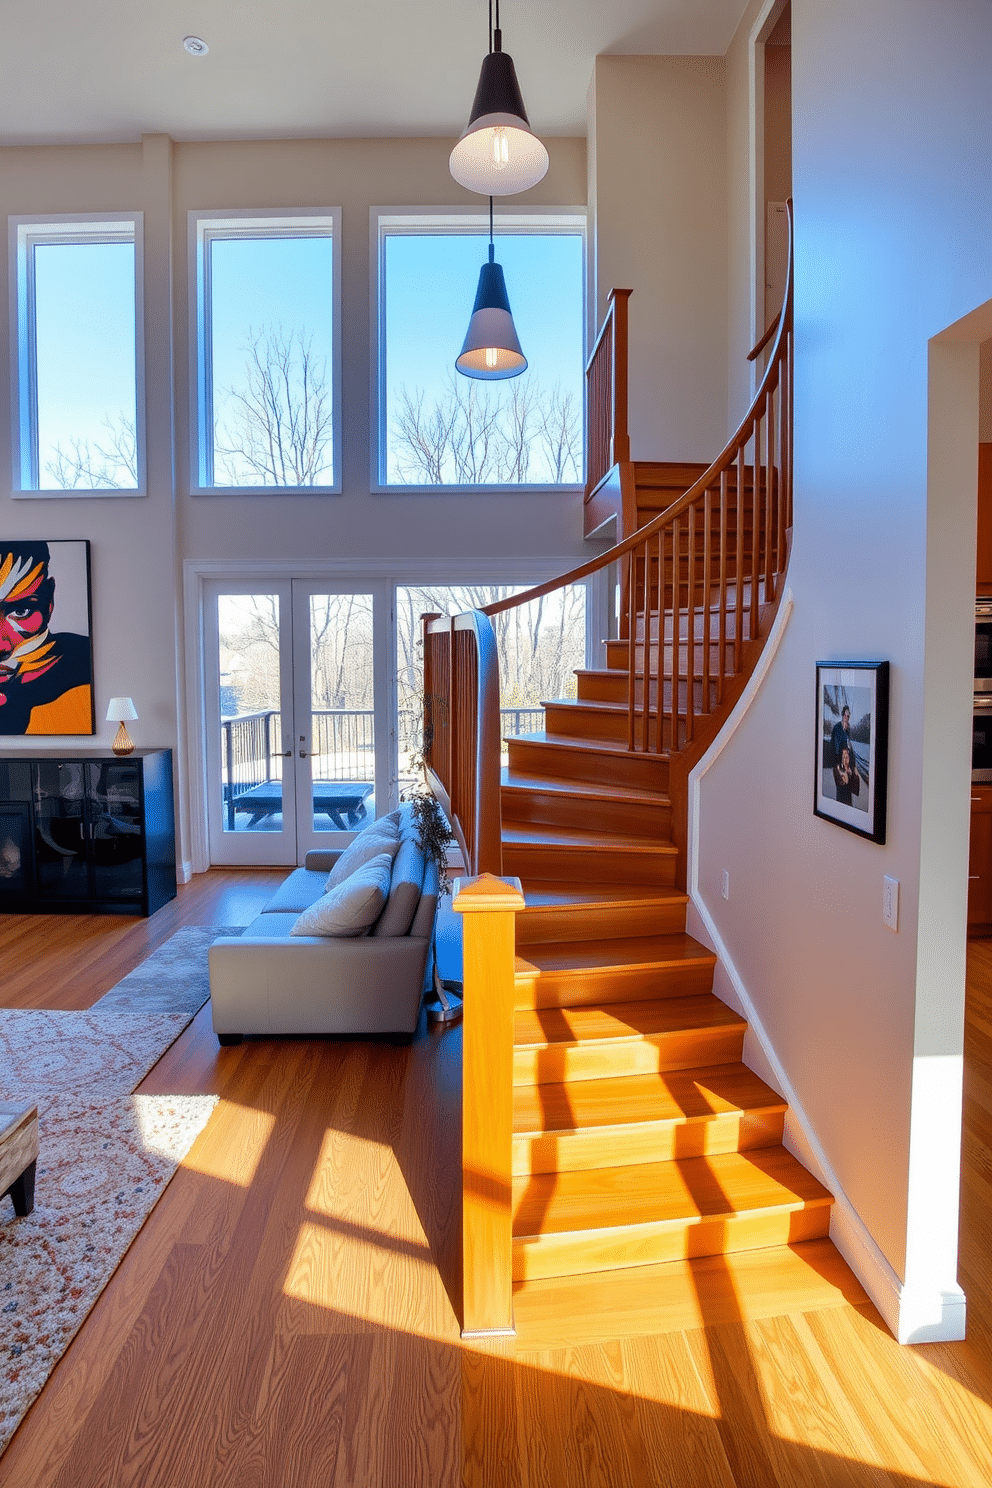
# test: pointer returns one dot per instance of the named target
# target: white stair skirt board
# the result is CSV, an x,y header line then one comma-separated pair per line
x,y
914,1313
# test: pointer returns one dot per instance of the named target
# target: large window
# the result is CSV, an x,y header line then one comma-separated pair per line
x,y
77,403
439,429
266,352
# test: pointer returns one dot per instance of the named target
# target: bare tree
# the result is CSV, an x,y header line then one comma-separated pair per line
x,y
108,466
474,434
275,429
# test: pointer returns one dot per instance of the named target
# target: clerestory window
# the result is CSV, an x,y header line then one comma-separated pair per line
x,y
440,430
265,352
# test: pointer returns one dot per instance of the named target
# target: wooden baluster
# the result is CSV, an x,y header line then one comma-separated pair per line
x,y
654,671
783,415
631,648
690,630
770,586
721,665
755,521
620,438
489,906
739,567
676,631
707,593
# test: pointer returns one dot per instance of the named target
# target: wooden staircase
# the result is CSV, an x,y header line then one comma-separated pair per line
x,y
639,1136
623,1169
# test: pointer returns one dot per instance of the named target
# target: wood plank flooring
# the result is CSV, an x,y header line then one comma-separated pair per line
x,y
285,1316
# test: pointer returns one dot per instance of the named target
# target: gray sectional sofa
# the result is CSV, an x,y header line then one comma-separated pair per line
x,y
273,979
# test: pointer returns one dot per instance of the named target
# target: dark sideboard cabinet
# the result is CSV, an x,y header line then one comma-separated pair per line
x,y
87,832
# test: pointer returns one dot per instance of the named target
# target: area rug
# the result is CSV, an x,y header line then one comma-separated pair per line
x,y
105,1154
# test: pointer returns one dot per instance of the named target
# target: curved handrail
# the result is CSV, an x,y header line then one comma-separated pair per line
x,y
722,462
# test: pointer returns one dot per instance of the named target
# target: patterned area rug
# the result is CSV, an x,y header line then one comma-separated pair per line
x,y
105,1155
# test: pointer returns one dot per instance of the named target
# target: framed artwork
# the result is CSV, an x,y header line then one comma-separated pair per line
x,y
852,740
46,642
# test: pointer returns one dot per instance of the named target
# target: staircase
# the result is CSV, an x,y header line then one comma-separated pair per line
x,y
620,1161
639,1136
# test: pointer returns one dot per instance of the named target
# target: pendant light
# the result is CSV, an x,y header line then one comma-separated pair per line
x,y
498,154
491,351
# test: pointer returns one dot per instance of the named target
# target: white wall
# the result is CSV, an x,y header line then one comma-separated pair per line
x,y
138,544
893,218
657,195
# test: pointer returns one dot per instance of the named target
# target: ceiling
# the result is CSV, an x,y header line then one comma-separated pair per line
x,y
103,70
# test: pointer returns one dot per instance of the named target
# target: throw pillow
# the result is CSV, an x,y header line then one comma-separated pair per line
x,y
381,837
354,906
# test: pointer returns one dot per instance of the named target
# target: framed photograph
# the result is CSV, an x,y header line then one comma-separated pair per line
x,y
46,639
852,740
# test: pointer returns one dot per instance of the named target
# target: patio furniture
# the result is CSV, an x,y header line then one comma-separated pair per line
x,y
342,801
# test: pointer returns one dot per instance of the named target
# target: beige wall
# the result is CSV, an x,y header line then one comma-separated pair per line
x,y
891,250
138,544
658,199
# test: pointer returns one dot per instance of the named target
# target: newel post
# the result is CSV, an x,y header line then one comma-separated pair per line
x,y
489,906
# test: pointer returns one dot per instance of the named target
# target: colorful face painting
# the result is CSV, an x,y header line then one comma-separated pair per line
x,y
46,674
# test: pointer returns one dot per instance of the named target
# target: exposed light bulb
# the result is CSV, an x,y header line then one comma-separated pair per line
x,y
501,148
491,356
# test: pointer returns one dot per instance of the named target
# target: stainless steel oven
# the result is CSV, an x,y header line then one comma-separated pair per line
x,y
981,740
983,643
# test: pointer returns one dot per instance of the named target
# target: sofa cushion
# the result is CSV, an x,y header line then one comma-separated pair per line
x,y
353,906
381,837
423,919
404,889
301,889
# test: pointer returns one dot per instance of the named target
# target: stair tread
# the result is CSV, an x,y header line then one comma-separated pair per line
x,y
551,836
676,1096
585,746
620,1022
683,1191
560,785
563,895
675,1296
642,950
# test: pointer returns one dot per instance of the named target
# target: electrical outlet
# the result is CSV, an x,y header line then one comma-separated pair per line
x,y
725,885
890,902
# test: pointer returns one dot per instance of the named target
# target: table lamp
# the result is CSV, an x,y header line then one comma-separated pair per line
x,y
119,710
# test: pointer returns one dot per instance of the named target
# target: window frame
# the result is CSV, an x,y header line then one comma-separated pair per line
x,y
464,221
25,233
206,226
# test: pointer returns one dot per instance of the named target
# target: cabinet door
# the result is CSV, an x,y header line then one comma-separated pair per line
x,y
116,836
61,845
980,861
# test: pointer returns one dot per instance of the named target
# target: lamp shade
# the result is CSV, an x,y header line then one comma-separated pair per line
x,y
491,350
498,153
121,709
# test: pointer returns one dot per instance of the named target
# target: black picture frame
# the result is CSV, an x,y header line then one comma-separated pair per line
x,y
850,772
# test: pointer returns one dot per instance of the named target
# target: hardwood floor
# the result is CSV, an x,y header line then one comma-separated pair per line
x,y
285,1316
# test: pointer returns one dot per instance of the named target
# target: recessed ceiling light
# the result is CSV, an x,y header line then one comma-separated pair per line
x,y
195,46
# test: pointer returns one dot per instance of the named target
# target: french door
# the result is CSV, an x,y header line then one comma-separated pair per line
x,y
299,739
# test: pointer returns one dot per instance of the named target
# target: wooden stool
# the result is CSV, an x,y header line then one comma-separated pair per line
x,y
18,1154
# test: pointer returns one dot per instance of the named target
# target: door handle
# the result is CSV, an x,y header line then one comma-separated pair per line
x,y
285,754
303,754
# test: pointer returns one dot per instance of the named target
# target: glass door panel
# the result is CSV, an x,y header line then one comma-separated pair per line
x,y
114,803
252,799
62,857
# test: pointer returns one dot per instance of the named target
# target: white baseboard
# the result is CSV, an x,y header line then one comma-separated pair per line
x,y
184,871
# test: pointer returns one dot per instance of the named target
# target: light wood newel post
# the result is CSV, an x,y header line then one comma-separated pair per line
x,y
489,906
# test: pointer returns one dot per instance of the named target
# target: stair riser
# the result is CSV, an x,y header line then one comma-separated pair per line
x,y
642,1245
553,862
640,772
575,722
600,986
557,809
600,687
606,1147
618,657
607,922
644,1056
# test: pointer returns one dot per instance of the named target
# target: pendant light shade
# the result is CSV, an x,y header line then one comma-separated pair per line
x,y
498,154
491,351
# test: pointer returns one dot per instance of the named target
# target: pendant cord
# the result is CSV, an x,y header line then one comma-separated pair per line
x,y
490,25
490,228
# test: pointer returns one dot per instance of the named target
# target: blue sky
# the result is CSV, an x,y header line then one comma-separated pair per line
x,y
85,341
